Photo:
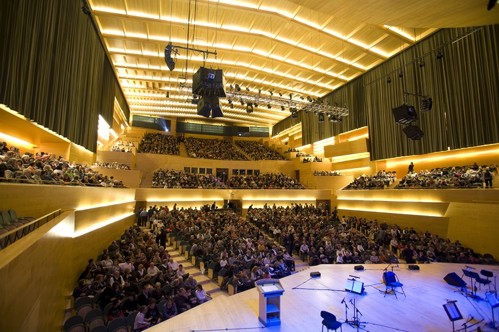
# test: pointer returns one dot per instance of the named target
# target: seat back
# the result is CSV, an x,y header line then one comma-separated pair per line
x,y
327,316
74,324
7,220
13,215
487,274
389,277
118,325
94,318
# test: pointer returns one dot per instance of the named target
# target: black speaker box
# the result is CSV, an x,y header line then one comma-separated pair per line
x,y
358,268
454,280
413,132
315,274
413,267
404,114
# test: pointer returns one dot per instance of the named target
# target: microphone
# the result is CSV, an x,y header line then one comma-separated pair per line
x,y
343,301
353,276
351,302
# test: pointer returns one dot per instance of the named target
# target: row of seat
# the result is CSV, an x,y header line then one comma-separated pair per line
x,y
13,227
90,318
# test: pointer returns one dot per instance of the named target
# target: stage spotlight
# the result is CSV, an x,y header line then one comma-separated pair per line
x,y
238,88
249,108
294,115
426,104
282,108
321,117
241,101
440,55
280,94
389,80
269,106
421,63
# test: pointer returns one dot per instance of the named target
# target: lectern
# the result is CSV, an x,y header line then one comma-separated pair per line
x,y
270,291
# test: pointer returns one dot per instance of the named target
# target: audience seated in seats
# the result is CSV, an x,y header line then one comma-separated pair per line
x,y
122,146
356,240
159,144
381,180
112,165
164,178
242,251
180,179
43,168
258,151
264,181
212,149
445,177
326,173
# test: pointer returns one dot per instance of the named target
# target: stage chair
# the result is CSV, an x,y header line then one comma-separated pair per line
x,y
330,322
488,275
392,282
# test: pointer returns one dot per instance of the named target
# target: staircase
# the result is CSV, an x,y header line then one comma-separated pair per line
x,y
179,255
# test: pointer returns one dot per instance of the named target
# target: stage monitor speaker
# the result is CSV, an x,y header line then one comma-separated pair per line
x,y
358,268
413,267
413,132
404,114
315,274
454,280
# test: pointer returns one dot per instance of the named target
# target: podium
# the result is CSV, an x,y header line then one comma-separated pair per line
x,y
269,298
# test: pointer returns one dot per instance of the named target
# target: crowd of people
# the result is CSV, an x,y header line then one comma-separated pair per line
x,y
264,181
112,165
327,173
122,146
137,274
473,176
167,178
380,180
160,144
212,149
45,168
322,238
258,151
227,243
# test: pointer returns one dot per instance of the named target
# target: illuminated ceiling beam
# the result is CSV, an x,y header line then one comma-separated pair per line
x,y
101,12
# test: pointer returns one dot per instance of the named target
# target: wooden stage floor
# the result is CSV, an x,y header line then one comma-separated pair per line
x,y
304,298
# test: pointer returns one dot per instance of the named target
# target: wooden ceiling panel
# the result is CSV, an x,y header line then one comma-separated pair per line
x,y
300,47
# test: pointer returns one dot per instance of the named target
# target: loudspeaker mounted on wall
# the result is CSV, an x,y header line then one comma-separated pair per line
x,y
413,132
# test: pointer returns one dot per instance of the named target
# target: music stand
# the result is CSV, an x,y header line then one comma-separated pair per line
x,y
354,286
452,312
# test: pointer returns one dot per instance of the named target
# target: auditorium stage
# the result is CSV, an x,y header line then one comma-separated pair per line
x,y
304,298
